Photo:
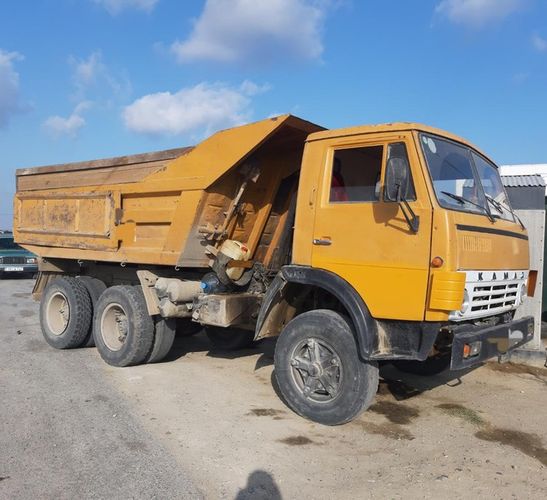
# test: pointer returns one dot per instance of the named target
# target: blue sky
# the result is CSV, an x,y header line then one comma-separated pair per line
x,y
84,79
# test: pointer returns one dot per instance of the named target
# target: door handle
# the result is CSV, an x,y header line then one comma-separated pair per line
x,y
324,242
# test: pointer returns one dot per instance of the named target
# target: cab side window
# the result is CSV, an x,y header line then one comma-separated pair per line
x,y
355,174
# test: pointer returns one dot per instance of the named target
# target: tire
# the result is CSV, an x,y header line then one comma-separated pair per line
x,y
186,327
431,366
229,339
122,327
319,371
65,313
164,336
95,288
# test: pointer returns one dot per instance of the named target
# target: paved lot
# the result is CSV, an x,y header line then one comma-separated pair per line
x,y
206,424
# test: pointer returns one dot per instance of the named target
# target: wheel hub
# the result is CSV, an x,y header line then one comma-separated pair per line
x,y
57,313
316,370
114,326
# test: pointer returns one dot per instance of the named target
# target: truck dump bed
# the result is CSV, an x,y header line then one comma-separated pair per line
x,y
165,207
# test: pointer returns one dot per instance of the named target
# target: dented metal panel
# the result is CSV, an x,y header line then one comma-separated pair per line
x,y
80,220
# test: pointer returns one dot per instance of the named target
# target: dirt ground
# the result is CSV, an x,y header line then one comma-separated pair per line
x,y
217,420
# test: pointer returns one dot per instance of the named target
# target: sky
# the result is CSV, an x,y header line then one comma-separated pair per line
x,y
87,79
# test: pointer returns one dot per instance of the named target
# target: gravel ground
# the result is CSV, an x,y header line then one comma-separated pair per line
x,y
210,424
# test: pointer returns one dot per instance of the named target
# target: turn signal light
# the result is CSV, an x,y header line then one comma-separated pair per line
x,y
437,262
532,281
472,349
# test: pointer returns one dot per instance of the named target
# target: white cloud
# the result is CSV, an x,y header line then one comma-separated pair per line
x,y
252,89
91,75
255,31
114,7
204,108
539,43
477,13
9,87
86,71
59,126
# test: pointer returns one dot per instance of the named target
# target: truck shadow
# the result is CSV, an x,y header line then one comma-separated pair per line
x,y
399,385
404,386
200,343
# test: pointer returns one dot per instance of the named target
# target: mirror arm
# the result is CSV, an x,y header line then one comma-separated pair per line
x,y
412,219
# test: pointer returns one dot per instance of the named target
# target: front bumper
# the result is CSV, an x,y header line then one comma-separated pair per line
x,y
18,268
494,341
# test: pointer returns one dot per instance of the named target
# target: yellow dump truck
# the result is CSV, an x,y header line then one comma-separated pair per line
x,y
388,243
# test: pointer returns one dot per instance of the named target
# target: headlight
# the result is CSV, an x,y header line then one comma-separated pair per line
x,y
465,303
522,293
31,260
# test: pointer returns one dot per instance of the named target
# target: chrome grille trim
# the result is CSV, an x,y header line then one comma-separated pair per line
x,y
14,260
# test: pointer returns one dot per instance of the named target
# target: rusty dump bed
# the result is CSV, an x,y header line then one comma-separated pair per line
x,y
164,208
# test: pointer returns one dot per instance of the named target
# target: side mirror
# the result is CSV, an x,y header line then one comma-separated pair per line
x,y
397,179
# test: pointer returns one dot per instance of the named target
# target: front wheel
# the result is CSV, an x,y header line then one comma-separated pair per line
x,y
318,369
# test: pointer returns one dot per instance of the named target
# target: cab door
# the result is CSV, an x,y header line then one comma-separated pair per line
x,y
366,240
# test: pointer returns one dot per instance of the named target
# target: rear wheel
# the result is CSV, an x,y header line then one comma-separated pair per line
x,y
229,339
318,369
164,336
123,329
65,313
95,288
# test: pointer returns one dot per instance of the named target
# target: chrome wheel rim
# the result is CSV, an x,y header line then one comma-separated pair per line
x,y
114,326
57,313
316,370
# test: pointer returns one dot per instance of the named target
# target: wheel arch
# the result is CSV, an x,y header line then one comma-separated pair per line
x,y
278,305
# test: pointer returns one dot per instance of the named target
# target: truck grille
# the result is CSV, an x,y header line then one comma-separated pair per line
x,y
486,298
491,293
13,260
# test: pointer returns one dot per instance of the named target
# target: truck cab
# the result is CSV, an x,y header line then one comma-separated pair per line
x,y
410,230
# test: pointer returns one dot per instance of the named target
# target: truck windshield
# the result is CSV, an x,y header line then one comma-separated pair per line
x,y
8,244
463,180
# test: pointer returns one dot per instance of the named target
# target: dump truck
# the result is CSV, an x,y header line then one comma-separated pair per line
x,y
356,247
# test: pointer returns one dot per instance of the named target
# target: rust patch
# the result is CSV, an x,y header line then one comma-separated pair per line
x,y
265,412
395,412
297,441
527,443
389,430
460,411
